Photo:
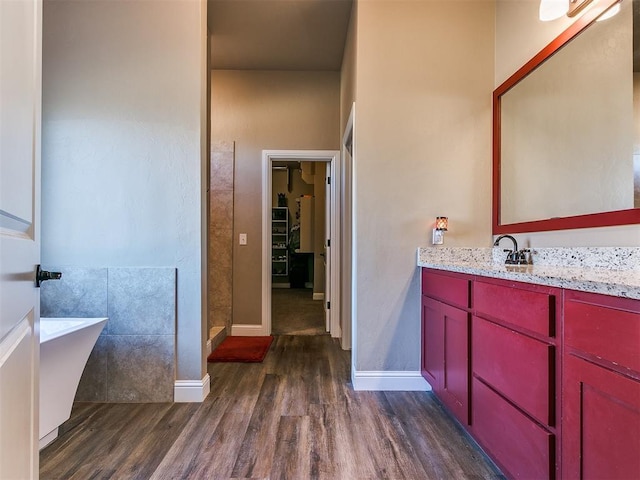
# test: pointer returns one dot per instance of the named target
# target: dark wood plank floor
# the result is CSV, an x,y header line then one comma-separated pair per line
x,y
294,416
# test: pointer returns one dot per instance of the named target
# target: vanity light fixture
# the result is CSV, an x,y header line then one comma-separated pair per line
x,y
576,6
553,9
442,224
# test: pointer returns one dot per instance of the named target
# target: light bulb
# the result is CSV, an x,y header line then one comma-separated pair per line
x,y
609,13
552,9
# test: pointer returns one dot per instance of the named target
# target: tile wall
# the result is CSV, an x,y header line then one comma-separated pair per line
x,y
221,234
134,357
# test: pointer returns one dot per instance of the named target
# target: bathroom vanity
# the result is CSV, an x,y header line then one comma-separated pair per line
x,y
541,365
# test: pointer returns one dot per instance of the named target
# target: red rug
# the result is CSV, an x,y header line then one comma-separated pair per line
x,y
241,349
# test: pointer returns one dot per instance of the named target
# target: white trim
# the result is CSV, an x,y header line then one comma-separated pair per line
x,y
331,156
191,391
248,331
349,130
208,347
354,246
48,438
403,381
318,296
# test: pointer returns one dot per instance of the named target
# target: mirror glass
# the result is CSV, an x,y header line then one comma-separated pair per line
x,y
568,142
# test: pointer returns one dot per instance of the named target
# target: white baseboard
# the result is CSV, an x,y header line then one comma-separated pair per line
x,y
48,438
191,391
318,296
403,381
248,331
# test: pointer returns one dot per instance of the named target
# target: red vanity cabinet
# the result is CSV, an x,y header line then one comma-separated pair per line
x,y
515,376
546,380
445,339
601,387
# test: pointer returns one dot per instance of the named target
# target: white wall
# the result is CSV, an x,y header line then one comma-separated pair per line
x,y
423,148
123,134
519,36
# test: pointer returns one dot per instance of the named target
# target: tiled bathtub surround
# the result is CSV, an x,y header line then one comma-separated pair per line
x,y
81,292
608,270
134,358
221,234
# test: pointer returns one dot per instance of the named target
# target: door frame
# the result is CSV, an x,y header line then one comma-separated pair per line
x,y
348,307
333,158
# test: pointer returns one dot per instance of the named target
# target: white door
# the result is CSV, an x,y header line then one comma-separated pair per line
x,y
20,93
327,245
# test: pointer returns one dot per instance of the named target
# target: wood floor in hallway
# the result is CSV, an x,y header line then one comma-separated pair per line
x,y
294,416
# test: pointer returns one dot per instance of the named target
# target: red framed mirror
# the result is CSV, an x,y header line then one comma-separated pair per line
x,y
566,196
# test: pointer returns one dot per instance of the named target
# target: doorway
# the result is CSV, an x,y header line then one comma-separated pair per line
x,y
283,267
298,244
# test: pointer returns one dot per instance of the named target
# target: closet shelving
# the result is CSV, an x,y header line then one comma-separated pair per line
x,y
279,241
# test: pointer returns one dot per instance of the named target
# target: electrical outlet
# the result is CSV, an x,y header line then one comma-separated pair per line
x,y
243,239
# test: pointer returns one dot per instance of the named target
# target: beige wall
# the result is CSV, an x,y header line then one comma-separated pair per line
x,y
520,35
347,98
267,110
636,140
423,148
348,71
123,146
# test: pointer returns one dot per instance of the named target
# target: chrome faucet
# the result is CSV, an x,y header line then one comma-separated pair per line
x,y
515,256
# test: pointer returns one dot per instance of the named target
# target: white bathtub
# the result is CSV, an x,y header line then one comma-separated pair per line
x,y
65,345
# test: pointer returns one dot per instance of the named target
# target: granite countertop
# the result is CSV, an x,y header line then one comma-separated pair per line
x,y
606,270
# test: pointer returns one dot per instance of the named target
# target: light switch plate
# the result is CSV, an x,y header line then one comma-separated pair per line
x,y
438,237
243,239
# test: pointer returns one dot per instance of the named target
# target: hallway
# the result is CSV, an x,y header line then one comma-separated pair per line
x,y
294,312
294,416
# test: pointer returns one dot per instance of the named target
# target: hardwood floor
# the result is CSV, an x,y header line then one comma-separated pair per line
x,y
294,416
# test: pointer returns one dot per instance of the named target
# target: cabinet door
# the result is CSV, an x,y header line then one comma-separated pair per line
x,y
432,343
445,354
455,385
601,424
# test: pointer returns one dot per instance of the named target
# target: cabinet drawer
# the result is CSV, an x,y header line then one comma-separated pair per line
x,y
450,289
607,327
519,367
534,311
519,446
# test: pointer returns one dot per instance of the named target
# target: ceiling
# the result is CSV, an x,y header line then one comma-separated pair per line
x,y
278,34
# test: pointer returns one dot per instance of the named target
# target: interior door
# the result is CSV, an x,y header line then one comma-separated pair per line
x,y
20,93
327,246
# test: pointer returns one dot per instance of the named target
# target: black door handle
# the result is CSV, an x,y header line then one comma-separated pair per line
x,y
42,275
